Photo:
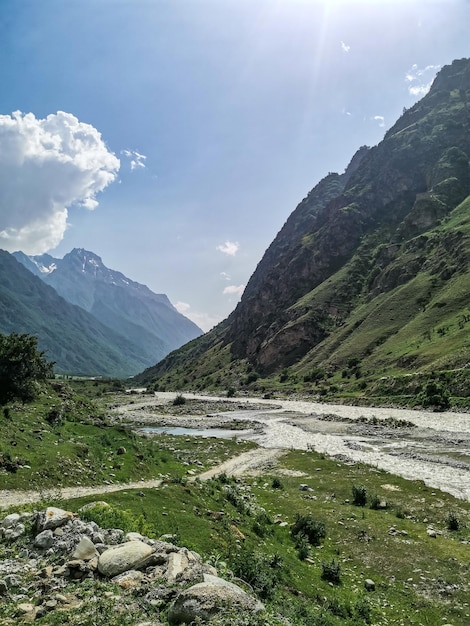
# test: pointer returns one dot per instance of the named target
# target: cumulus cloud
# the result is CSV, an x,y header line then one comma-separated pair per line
x,y
345,47
229,247
205,321
380,119
136,159
420,79
46,166
234,289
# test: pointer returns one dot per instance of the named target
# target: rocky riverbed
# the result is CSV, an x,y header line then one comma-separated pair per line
x,y
433,447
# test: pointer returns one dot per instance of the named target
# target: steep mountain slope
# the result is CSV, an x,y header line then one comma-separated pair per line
x,y
371,266
147,319
70,336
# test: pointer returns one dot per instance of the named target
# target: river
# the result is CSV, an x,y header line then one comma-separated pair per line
x,y
432,447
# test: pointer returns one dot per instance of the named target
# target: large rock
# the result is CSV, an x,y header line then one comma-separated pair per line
x,y
52,518
205,600
123,557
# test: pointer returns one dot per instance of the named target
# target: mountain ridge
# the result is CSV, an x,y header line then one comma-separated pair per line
x,y
127,307
380,239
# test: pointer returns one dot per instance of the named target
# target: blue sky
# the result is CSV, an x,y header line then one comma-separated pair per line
x,y
192,128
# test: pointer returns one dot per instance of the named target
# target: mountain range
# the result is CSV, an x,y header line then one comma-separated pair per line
x,y
370,273
88,319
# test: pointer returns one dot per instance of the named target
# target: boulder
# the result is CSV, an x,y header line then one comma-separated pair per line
x,y
10,520
84,550
44,540
205,600
52,518
123,557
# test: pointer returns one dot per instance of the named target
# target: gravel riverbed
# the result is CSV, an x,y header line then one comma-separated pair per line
x,y
433,447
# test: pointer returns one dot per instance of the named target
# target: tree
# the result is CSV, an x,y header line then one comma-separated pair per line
x,y
22,367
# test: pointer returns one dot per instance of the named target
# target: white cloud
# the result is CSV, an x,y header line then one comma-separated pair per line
x,y
229,247
420,79
345,47
380,119
46,166
182,307
225,276
205,321
234,289
136,159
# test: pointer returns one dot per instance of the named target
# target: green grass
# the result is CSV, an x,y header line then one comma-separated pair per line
x,y
419,580
85,449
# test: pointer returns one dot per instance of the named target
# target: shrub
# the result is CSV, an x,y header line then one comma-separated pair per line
x,y
375,502
359,495
303,547
313,530
331,572
434,395
261,571
453,522
230,392
179,400
22,368
277,484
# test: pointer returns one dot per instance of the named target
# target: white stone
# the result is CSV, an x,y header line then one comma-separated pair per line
x,y
84,550
123,557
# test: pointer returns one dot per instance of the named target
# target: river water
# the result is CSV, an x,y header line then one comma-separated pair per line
x,y
433,447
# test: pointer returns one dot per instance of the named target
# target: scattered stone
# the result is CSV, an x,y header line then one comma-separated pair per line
x,y
431,533
85,550
10,520
205,600
123,557
10,534
52,518
129,580
44,540
369,584
26,607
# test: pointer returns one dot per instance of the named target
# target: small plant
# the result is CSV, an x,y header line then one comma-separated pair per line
x,y
359,495
7,413
331,572
313,530
179,400
375,502
277,484
303,547
453,522
230,392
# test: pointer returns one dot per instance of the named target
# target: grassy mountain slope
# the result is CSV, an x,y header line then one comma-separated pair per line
x,y
70,336
371,266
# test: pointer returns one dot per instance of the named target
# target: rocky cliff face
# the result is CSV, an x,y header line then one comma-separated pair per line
x,y
399,189
366,254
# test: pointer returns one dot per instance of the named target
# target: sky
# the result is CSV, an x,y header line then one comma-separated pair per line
x,y
173,138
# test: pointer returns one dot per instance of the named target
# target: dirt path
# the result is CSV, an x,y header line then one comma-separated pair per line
x,y
250,462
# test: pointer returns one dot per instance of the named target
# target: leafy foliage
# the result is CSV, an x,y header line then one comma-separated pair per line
x,y
305,525
22,368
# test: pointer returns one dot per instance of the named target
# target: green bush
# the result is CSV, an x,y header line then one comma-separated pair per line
x,y
313,530
453,522
22,368
261,571
331,571
359,495
277,484
179,400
